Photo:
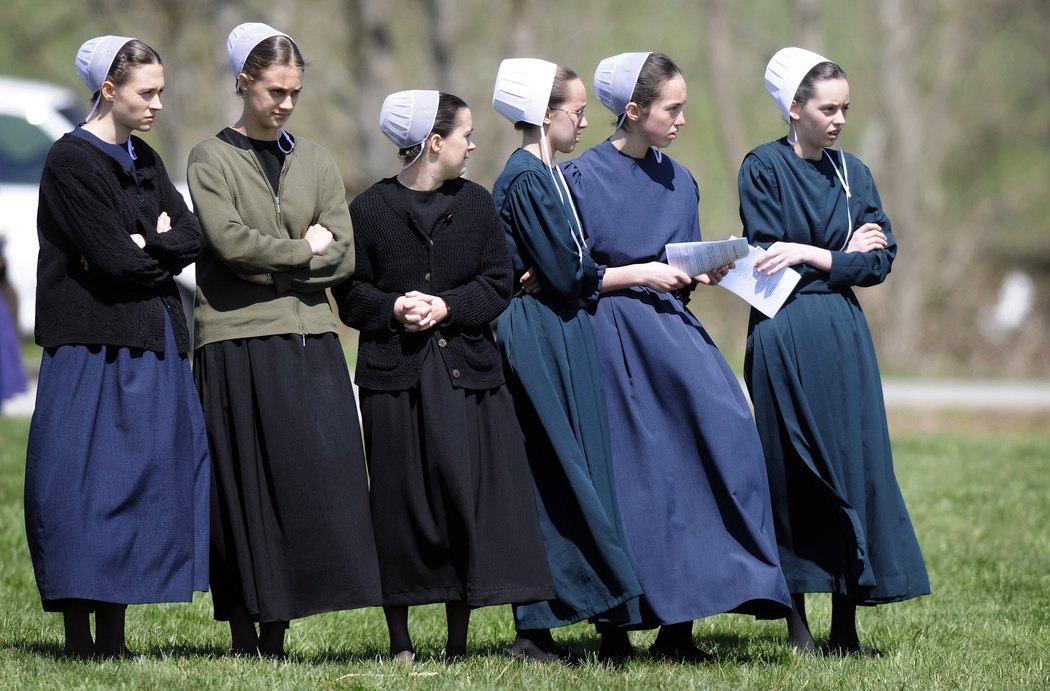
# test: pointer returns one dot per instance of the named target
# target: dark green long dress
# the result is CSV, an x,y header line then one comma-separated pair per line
x,y
840,519
554,375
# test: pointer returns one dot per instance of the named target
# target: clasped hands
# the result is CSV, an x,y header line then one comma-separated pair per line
x,y
420,311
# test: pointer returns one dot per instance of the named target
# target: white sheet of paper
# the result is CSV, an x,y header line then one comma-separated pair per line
x,y
695,258
763,292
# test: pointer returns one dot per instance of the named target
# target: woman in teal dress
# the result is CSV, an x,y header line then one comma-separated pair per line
x,y
841,523
551,362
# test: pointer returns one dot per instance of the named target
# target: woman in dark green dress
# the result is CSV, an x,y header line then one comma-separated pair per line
x,y
552,365
841,524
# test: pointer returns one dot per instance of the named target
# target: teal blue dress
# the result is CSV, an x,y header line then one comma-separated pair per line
x,y
840,519
554,375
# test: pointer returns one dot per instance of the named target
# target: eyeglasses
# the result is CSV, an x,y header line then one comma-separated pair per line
x,y
578,114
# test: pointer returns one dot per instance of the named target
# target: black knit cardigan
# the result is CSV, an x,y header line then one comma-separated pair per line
x,y
95,286
465,261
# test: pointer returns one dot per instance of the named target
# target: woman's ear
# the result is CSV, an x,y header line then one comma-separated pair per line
x,y
547,117
243,82
633,111
108,90
795,112
434,143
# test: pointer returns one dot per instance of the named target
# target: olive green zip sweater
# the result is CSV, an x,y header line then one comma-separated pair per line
x,y
250,231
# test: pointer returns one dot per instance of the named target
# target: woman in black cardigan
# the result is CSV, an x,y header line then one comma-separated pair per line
x,y
116,491
452,504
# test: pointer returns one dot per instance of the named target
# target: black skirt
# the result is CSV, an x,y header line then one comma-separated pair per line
x,y
291,528
452,501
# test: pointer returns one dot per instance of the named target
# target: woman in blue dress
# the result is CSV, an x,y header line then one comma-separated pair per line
x,y
551,361
841,523
116,492
688,461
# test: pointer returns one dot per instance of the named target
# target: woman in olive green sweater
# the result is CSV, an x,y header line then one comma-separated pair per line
x,y
291,528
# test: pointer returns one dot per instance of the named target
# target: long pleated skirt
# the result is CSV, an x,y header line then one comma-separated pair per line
x,y
291,528
841,523
116,492
452,502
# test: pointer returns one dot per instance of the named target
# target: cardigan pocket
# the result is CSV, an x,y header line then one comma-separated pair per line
x,y
382,355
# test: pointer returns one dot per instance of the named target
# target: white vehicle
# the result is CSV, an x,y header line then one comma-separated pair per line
x,y
32,116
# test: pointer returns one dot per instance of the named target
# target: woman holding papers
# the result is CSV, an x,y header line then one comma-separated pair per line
x,y
842,526
687,458
552,364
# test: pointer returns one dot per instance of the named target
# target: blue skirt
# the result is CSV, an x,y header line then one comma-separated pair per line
x,y
117,477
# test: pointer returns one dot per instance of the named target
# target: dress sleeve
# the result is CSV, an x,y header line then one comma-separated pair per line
x,y
86,210
543,235
865,268
242,248
336,263
482,299
760,207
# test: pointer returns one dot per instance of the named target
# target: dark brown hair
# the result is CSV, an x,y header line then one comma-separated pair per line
x,y
129,58
657,70
559,93
444,120
275,50
822,71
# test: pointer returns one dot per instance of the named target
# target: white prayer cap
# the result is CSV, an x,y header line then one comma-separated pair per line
x,y
523,89
243,40
407,117
785,73
95,57
615,78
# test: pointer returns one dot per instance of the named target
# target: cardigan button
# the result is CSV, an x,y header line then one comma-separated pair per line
x,y
426,277
455,374
442,343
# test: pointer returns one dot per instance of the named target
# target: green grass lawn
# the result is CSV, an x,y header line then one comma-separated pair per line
x,y
981,507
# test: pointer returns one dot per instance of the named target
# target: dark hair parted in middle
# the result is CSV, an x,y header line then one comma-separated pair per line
x,y
559,93
129,58
444,120
822,71
275,50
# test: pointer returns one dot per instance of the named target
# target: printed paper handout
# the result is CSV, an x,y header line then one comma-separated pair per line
x,y
763,292
695,258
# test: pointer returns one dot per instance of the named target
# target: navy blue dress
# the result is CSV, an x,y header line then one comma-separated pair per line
x,y
688,461
117,469
841,523
554,374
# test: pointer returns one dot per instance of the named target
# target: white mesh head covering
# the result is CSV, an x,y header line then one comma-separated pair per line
x,y
785,71
407,117
615,78
244,38
95,57
523,89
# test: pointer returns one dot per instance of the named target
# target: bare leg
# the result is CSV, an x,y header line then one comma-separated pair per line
x,y
458,615
798,626
109,630
400,642
77,620
242,632
271,639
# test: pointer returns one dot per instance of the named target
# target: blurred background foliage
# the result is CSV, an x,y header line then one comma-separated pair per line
x,y
950,110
